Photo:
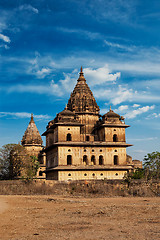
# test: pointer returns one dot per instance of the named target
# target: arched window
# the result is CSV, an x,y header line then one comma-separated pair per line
x,y
93,160
101,161
115,160
69,160
40,173
69,137
85,160
115,138
87,138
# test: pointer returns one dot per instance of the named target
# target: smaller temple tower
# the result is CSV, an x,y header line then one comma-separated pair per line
x,y
32,142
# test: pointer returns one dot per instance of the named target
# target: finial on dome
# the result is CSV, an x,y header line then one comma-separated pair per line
x,y
66,107
110,108
81,76
32,120
81,72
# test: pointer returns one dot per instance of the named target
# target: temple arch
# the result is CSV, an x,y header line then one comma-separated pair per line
x,y
69,160
101,160
115,138
69,137
93,160
85,160
115,160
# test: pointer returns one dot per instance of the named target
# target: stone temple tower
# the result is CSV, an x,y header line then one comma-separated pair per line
x,y
82,144
32,140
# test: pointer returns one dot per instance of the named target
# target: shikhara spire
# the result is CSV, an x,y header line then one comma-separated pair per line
x,y
82,99
31,135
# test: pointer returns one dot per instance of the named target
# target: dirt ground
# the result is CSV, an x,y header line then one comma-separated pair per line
x,y
79,218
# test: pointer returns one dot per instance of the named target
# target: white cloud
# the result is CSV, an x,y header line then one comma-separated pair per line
x,y
120,46
4,46
153,115
36,67
123,94
120,109
5,38
43,72
87,34
23,115
100,75
135,105
123,107
49,89
135,112
28,7
66,85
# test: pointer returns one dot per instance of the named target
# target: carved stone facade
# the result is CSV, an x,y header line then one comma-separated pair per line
x,y
32,142
81,144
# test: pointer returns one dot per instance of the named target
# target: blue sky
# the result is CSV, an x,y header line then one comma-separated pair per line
x,y
43,44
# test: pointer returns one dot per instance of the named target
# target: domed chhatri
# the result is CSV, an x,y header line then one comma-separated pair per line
x,y
81,144
111,114
31,135
32,140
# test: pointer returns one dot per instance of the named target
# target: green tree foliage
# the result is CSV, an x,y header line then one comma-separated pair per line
x,y
16,163
139,173
11,161
152,165
30,168
150,170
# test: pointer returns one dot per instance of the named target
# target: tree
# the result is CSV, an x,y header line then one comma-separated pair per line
x,y
16,163
152,165
11,160
30,168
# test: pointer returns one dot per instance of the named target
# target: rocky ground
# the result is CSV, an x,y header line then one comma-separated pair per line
x,y
79,218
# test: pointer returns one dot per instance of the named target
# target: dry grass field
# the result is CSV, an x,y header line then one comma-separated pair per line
x,y
79,217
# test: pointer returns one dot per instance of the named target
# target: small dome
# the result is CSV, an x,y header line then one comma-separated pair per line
x,y
31,135
111,114
66,112
136,161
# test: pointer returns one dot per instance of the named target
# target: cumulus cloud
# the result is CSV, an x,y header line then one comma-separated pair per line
x,y
5,38
23,115
153,115
66,84
121,108
123,94
43,72
136,105
100,75
28,7
36,69
135,112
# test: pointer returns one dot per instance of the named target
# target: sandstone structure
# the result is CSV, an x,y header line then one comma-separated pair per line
x,y
81,144
32,142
